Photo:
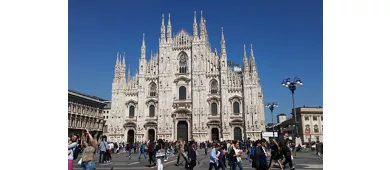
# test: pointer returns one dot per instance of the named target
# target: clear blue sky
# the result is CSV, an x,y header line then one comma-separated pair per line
x,y
286,37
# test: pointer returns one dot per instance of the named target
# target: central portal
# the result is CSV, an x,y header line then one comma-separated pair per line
x,y
130,137
214,134
151,135
182,131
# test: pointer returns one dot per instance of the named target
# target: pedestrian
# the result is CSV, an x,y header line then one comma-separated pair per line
x,y
191,157
151,154
235,156
275,154
221,158
287,155
180,153
142,151
213,158
90,146
160,154
259,160
72,147
103,150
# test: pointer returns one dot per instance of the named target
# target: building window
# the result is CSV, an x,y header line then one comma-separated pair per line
x,y
182,93
236,107
105,129
131,111
307,118
316,129
318,138
214,109
151,111
307,127
214,86
321,118
152,89
314,118
183,62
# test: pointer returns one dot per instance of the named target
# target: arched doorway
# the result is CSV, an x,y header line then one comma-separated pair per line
x,y
130,136
182,131
214,134
237,133
151,134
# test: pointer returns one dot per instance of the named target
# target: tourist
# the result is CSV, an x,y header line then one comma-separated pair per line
x,y
103,150
89,146
110,151
235,156
259,160
180,154
72,146
151,153
287,155
142,151
191,157
213,158
160,154
276,154
222,157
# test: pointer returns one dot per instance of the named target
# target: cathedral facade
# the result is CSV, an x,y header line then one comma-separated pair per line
x,y
186,91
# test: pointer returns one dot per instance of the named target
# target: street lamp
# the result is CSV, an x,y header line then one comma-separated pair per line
x,y
292,85
271,107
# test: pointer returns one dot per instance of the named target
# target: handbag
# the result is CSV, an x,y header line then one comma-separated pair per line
x,y
80,161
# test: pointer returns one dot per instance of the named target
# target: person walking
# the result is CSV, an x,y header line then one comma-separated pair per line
x,y
160,154
213,158
221,158
103,150
235,156
275,154
151,154
191,157
142,151
180,153
259,160
287,155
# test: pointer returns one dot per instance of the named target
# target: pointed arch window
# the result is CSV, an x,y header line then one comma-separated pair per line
x,y
131,111
151,111
236,107
214,109
182,93
152,89
183,58
214,86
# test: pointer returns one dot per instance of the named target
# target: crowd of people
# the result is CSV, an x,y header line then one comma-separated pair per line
x,y
222,154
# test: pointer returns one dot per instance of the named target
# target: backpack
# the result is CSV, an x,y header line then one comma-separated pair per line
x,y
160,151
76,152
252,151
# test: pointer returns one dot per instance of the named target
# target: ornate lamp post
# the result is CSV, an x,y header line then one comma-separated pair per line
x,y
292,85
271,107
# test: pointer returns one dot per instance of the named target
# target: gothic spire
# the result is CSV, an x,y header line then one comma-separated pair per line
x,y
202,26
195,26
162,36
169,28
123,72
252,61
143,47
246,66
123,59
128,74
117,59
223,45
